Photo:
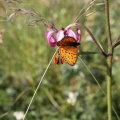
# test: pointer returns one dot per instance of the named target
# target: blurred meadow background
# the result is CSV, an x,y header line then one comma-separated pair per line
x,y
66,93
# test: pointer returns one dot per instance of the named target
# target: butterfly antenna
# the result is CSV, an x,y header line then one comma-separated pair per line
x,y
99,86
39,85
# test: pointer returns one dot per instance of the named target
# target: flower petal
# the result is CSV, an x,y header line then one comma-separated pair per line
x,y
78,35
60,35
71,34
50,38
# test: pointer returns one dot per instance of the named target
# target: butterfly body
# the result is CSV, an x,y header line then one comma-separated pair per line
x,y
68,49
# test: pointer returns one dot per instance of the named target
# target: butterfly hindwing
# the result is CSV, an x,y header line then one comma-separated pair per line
x,y
68,50
69,53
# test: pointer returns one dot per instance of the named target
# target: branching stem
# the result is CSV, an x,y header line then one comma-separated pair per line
x,y
109,61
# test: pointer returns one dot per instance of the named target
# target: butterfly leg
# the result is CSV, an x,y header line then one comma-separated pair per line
x,y
58,59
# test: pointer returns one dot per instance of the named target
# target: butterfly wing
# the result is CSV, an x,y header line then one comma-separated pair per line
x,y
67,41
69,53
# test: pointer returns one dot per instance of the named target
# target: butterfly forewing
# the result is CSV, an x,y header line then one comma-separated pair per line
x,y
69,53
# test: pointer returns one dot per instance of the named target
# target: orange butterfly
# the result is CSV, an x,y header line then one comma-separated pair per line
x,y
68,50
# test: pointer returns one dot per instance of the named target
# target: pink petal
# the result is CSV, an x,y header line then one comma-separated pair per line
x,y
71,34
78,35
50,38
60,35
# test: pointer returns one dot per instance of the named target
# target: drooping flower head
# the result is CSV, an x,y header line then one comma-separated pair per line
x,y
53,36
67,41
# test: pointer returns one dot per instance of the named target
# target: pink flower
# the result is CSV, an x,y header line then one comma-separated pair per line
x,y
53,36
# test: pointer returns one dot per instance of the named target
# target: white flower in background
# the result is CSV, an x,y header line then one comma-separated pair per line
x,y
72,98
19,115
75,67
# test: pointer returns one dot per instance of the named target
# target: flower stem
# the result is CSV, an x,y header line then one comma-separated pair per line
x,y
38,85
109,80
108,22
109,61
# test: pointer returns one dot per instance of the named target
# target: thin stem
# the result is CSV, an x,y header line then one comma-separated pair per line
x,y
109,80
108,30
109,61
88,52
117,42
92,36
99,86
78,16
39,85
93,76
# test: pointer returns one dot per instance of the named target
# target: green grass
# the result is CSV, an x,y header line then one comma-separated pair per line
x,y
25,54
